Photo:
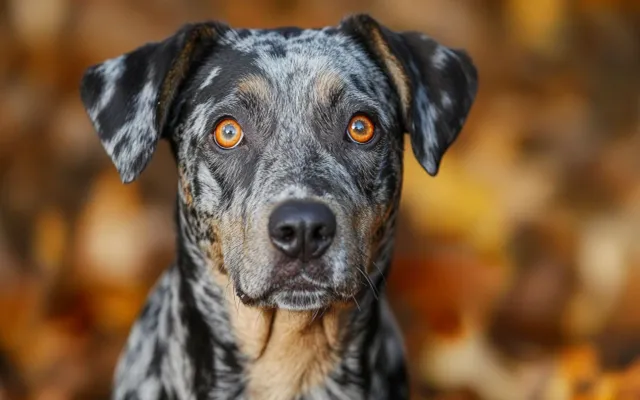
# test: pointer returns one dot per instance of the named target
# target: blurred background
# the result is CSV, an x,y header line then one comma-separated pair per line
x,y
517,271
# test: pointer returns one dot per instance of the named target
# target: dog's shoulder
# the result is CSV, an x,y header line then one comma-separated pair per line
x,y
145,365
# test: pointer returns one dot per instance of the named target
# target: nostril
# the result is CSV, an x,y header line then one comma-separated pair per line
x,y
320,232
286,233
316,233
286,237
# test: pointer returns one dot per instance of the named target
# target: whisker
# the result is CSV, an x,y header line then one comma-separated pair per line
x,y
376,265
384,278
228,285
235,298
366,277
356,301
365,256
235,301
373,287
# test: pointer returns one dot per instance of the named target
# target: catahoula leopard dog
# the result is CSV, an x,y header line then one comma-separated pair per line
x,y
289,145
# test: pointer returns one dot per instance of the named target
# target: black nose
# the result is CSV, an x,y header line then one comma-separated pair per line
x,y
302,229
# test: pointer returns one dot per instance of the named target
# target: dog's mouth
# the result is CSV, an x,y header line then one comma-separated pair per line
x,y
298,293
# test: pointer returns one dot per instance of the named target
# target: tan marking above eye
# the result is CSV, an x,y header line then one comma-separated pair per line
x,y
361,129
255,86
326,85
228,133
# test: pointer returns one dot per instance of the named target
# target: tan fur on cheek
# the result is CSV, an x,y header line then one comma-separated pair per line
x,y
364,223
185,187
381,218
215,250
232,231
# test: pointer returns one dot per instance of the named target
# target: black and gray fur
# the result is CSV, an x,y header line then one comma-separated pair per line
x,y
295,147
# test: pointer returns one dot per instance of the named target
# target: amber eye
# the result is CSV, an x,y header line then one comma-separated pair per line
x,y
227,133
360,129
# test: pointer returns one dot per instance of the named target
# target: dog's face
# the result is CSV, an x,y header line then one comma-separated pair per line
x,y
293,199
288,142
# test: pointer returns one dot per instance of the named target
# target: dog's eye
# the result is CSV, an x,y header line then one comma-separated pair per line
x,y
227,133
360,129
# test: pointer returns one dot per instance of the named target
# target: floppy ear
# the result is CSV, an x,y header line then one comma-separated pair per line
x,y
436,85
129,98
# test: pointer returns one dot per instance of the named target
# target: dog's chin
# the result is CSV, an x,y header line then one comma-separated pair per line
x,y
303,300
295,296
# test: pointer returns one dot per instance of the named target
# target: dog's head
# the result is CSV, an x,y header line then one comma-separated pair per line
x,y
288,142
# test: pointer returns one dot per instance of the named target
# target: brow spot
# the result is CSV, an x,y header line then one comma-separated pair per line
x,y
255,86
327,87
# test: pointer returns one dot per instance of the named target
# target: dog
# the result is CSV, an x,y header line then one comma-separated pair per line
x,y
289,145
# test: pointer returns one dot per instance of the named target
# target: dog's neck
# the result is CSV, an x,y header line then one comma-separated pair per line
x,y
284,353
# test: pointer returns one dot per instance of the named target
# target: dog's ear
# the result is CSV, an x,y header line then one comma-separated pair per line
x,y
436,85
129,98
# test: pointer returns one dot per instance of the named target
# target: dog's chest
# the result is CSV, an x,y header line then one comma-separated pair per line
x,y
176,352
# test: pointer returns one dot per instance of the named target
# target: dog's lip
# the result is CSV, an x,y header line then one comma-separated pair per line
x,y
303,300
302,284
299,283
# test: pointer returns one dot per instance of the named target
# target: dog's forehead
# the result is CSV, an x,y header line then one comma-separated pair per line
x,y
289,40
305,69
279,52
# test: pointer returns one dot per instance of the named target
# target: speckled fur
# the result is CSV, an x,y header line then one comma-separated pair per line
x,y
293,92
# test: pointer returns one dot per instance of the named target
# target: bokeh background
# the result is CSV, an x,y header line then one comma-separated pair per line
x,y
517,271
